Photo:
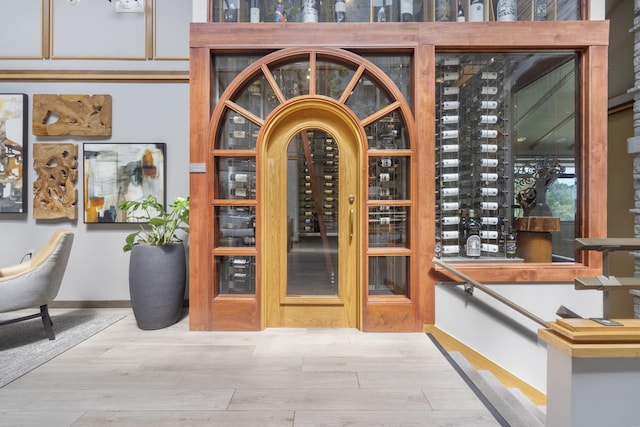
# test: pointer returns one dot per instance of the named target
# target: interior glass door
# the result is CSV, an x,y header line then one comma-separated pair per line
x,y
312,205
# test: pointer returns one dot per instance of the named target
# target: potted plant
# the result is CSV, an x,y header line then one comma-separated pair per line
x,y
157,266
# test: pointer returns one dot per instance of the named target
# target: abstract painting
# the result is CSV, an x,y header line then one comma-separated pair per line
x,y
117,172
13,153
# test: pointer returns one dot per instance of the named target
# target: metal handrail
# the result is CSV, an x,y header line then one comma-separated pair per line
x,y
475,284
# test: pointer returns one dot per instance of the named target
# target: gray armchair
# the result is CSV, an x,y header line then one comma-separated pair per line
x,y
36,281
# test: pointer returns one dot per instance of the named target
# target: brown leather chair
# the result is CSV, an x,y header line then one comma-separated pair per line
x,y
36,281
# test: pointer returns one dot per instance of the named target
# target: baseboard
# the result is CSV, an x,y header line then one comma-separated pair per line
x,y
90,304
482,363
97,304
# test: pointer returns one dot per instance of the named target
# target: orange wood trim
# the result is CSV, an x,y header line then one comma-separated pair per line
x,y
503,36
380,113
221,36
274,85
246,113
402,35
352,84
200,218
518,272
312,74
424,184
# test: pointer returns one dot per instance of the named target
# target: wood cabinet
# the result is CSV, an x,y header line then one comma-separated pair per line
x,y
374,90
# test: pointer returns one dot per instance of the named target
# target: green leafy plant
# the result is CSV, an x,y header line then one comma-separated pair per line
x,y
161,226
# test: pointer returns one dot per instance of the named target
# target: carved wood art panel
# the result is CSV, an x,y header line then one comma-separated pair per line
x,y
80,115
54,190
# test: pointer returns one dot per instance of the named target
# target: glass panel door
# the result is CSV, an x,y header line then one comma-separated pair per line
x,y
312,203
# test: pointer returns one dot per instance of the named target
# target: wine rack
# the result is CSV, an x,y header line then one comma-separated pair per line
x,y
318,183
236,178
236,225
473,179
236,274
389,10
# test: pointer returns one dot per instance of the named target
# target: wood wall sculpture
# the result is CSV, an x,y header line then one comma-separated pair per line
x,y
54,191
80,115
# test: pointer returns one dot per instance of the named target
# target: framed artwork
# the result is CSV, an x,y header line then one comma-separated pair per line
x,y
13,153
117,172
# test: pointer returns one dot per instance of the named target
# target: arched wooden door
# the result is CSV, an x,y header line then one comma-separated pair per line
x,y
312,270
267,118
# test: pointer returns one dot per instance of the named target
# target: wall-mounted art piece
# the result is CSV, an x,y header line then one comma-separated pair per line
x,y
13,153
54,190
117,172
71,115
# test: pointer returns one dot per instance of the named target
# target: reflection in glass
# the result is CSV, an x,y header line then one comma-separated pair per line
x,y
237,132
227,68
236,178
258,97
388,226
388,275
367,98
292,78
236,225
236,274
388,178
399,68
506,150
312,206
332,78
387,133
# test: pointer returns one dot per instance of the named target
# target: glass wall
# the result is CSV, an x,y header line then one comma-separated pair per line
x,y
506,156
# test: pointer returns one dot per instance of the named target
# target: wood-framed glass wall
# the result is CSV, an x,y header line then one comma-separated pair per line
x,y
416,46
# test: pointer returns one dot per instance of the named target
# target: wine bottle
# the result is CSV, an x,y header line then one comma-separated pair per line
x,y
238,120
406,10
476,11
450,220
451,90
511,246
449,163
382,13
309,10
473,243
507,10
443,10
540,10
452,234
254,11
450,191
461,17
340,11
230,12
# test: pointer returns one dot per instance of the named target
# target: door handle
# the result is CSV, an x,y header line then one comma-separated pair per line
x,y
352,198
350,223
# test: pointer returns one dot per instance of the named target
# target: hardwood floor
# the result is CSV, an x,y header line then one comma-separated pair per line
x,y
124,376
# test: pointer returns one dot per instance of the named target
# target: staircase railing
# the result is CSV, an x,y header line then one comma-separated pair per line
x,y
471,283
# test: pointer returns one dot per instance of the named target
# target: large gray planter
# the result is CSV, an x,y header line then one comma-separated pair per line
x,y
157,276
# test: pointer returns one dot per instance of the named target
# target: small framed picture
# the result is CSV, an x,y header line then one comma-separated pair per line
x,y
13,153
117,172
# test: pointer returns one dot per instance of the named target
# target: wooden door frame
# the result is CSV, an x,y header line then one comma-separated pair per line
x,y
291,118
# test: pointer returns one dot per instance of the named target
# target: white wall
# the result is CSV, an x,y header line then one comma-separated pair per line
x,y
503,335
142,112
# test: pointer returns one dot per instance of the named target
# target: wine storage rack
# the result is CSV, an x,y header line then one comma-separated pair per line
x,y
391,10
474,178
318,183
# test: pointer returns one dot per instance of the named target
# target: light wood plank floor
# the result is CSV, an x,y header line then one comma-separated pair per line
x,y
278,377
